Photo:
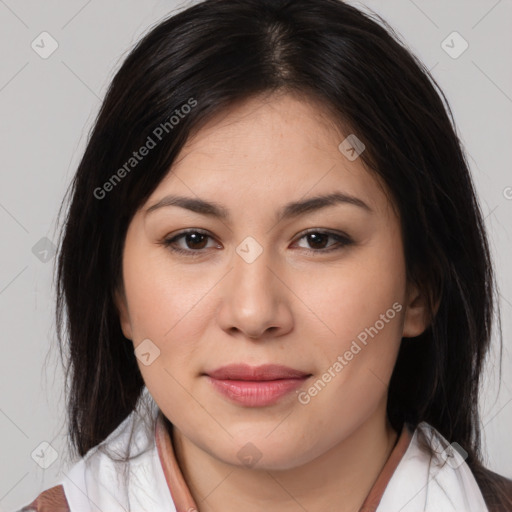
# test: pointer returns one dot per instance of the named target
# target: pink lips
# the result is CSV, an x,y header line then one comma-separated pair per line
x,y
256,386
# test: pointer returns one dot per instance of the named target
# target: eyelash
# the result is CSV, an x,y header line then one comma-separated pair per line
x,y
342,240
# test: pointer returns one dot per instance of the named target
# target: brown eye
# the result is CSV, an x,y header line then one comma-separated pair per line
x,y
194,242
318,240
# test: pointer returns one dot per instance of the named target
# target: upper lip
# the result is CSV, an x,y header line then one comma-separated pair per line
x,y
263,372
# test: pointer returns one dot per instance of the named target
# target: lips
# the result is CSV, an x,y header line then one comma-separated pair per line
x,y
256,373
255,386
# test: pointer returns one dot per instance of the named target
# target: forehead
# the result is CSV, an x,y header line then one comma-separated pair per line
x,y
270,149
285,115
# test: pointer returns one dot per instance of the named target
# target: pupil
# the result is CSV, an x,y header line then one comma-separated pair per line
x,y
315,237
195,237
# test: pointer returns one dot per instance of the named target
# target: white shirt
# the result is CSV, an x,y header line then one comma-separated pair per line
x,y
413,481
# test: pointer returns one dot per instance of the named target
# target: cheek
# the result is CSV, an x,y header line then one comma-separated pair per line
x,y
352,297
361,305
160,297
166,307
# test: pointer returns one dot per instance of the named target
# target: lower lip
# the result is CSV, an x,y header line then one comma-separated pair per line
x,y
256,393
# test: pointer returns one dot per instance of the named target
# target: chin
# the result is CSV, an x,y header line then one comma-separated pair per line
x,y
260,454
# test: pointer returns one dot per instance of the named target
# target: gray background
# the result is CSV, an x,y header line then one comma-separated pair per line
x,y
47,108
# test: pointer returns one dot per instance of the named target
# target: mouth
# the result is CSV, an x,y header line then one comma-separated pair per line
x,y
256,386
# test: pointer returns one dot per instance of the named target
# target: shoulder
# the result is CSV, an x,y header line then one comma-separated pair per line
x,y
51,500
496,489
487,488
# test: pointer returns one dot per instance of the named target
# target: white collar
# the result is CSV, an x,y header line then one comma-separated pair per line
x,y
423,483
418,484
96,483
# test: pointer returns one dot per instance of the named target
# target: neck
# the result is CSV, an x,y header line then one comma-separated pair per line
x,y
339,479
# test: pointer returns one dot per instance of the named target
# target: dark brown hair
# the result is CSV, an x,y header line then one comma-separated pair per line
x,y
219,52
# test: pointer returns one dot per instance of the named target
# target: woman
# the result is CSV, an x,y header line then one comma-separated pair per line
x,y
223,355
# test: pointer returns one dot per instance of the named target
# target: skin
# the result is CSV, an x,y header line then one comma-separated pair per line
x,y
287,307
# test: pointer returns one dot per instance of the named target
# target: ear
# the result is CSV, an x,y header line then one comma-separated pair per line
x,y
416,318
124,316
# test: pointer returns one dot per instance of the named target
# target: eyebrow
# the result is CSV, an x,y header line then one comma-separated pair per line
x,y
290,210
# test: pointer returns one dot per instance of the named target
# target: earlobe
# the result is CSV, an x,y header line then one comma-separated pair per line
x,y
416,312
124,317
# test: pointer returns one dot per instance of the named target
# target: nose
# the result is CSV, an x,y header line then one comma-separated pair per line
x,y
254,299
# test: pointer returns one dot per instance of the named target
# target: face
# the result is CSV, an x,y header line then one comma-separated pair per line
x,y
319,289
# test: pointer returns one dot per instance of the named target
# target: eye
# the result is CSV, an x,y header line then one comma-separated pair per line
x,y
318,238
196,241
